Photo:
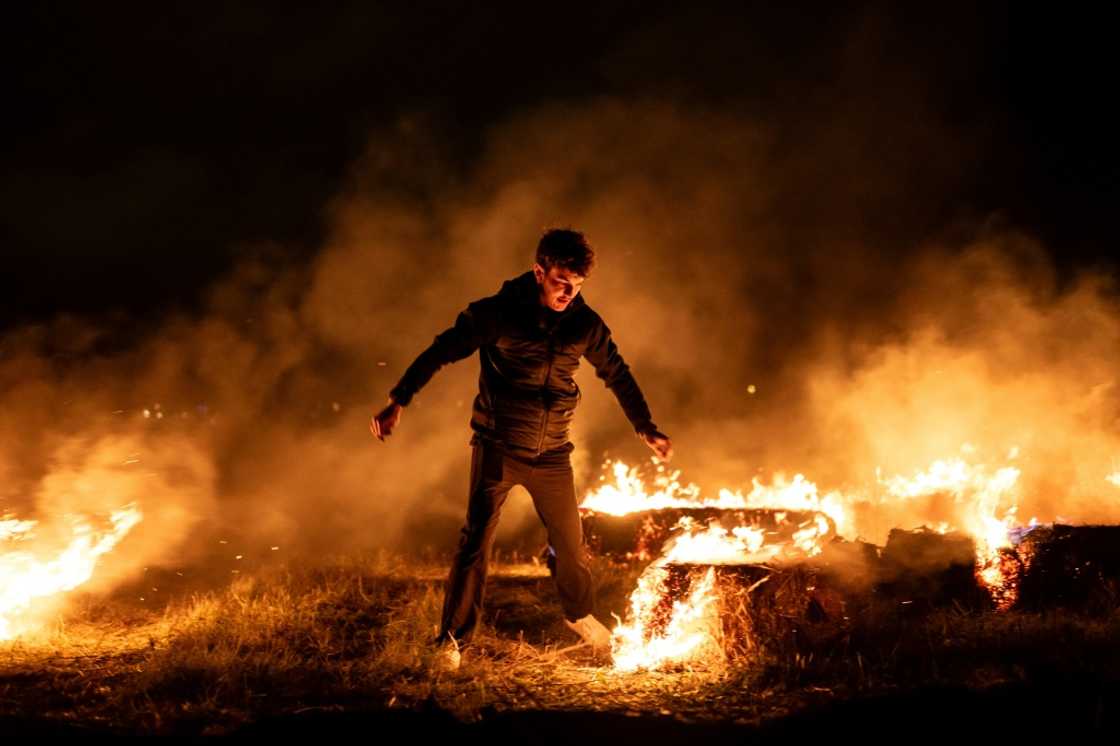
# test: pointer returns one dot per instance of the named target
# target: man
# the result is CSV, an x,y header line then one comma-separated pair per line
x,y
530,337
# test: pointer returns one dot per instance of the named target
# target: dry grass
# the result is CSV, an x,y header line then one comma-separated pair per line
x,y
353,635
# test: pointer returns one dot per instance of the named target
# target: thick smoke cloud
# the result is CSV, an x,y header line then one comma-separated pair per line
x,y
813,254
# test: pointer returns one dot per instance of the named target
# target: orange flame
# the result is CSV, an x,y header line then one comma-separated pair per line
x,y
689,636
25,576
986,503
628,494
714,545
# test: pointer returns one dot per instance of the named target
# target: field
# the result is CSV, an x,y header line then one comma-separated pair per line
x,y
322,648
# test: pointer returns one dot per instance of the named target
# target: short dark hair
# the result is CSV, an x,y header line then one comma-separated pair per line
x,y
567,249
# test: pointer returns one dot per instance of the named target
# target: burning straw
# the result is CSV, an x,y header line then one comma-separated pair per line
x,y
694,606
35,570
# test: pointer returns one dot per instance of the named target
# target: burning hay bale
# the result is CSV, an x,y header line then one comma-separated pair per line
x,y
707,615
1069,567
748,583
693,606
642,535
761,607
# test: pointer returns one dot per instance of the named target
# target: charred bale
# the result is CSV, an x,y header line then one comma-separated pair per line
x,y
1070,567
926,569
848,568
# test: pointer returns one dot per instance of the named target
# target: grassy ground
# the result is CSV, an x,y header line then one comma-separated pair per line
x,y
351,636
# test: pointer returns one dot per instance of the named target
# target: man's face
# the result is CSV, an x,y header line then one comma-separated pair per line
x,y
558,286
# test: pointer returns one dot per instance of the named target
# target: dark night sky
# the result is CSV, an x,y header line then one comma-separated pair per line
x,y
149,144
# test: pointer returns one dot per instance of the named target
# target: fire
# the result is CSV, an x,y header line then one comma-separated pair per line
x,y
1114,478
25,575
798,494
716,545
808,538
662,631
628,494
687,633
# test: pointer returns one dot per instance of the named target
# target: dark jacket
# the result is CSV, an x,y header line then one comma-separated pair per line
x,y
529,355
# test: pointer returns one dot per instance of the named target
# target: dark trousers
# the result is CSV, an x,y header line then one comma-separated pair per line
x,y
548,479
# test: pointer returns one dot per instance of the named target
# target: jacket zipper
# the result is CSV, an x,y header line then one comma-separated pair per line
x,y
544,401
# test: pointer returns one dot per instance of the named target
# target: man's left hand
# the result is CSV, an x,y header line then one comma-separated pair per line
x,y
659,443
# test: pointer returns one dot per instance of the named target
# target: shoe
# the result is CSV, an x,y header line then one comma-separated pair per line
x,y
592,631
447,657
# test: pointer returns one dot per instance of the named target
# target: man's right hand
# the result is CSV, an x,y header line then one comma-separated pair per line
x,y
382,423
659,443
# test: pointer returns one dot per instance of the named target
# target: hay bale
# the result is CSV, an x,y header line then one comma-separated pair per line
x,y
762,608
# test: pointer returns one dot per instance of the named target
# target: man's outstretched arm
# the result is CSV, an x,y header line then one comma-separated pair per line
x,y
603,354
474,327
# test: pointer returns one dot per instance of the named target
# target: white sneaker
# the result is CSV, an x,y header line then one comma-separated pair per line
x,y
592,631
447,657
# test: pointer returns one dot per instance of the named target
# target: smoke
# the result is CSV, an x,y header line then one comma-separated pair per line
x,y
997,363
813,252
